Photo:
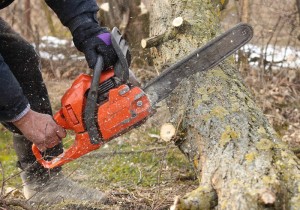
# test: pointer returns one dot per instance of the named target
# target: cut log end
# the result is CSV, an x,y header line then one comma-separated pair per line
x,y
177,22
144,43
167,132
267,197
175,204
167,35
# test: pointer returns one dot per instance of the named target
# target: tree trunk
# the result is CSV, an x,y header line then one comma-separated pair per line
x,y
298,7
47,12
240,161
27,18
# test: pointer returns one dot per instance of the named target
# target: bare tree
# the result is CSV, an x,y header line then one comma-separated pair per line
x,y
298,6
27,18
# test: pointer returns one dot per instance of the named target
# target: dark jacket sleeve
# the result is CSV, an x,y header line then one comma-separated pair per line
x,y
12,100
68,11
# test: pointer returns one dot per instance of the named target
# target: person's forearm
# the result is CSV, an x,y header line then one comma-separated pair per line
x,y
88,36
67,10
13,103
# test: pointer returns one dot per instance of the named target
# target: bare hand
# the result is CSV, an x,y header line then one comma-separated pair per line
x,y
40,129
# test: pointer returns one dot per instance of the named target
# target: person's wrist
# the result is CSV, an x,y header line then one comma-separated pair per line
x,y
22,114
24,119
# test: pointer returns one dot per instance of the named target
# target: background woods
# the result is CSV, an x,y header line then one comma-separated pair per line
x,y
139,169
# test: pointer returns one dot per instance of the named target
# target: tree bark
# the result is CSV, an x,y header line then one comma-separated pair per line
x,y
240,161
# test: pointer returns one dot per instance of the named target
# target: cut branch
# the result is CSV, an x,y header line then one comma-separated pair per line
x,y
177,27
167,132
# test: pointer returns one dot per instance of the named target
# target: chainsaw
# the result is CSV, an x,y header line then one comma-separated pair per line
x,y
104,106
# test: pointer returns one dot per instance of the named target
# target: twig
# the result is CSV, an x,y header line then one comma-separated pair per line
x,y
3,180
270,39
16,202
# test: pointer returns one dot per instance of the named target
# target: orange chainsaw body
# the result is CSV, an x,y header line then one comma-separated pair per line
x,y
124,108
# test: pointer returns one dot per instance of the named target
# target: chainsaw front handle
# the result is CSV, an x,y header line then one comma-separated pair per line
x,y
80,147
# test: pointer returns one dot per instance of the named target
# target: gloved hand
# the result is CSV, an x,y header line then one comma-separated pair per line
x,y
40,129
92,40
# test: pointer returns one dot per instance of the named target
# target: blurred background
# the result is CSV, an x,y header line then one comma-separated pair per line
x,y
269,65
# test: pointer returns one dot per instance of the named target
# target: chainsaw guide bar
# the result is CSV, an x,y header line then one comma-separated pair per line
x,y
202,59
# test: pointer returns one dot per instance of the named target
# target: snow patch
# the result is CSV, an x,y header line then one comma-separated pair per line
x,y
278,57
52,41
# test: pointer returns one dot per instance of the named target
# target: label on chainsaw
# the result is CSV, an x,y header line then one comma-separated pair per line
x,y
202,59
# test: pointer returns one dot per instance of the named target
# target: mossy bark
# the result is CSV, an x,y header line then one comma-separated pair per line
x,y
239,159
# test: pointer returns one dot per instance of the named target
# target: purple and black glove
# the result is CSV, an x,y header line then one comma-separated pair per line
x,y
92,40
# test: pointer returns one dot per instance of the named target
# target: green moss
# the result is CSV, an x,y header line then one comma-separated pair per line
x,y
209,89
129,168
202,90
235,107
228,135
206,117
269,180
264,144
205,97
219,112
250,157
197,103
139,169
261,130
217,73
